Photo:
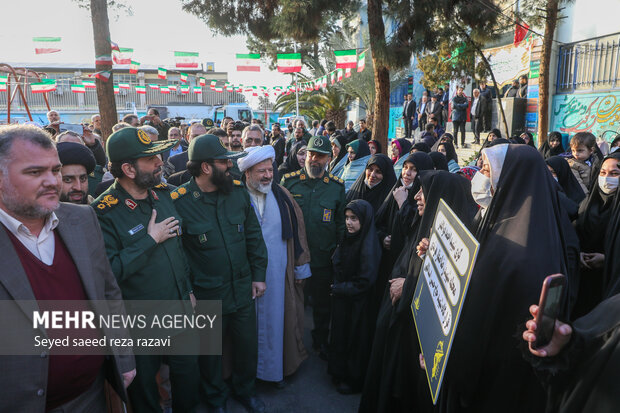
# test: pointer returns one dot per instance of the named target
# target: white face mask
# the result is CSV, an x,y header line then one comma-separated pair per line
x,y
481,190
608,184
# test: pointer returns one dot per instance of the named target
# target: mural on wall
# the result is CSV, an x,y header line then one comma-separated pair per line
x,y
595,113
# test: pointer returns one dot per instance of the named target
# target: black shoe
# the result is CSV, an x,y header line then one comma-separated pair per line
x,y
344,388
252,404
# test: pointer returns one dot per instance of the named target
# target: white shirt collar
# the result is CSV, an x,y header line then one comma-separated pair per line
x,y
16,226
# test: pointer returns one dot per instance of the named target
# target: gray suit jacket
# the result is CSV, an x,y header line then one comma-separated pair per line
x,y
23,382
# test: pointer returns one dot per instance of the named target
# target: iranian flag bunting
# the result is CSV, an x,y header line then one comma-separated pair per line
x,y
219,89
289,62
4,78
153,86
317,84
184,89
46,85
2,87
78,89
133,67
324,81
89,84
184,77
339,74
248,62
123,85
346,59
202,81
141,90
46,44
122,56
116,90
162,73
164,89
197,89
333,77
114,46
103,75
103,60
172,87
347,72
186,59
212,85
361,62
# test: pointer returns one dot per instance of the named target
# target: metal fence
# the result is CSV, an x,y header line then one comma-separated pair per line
x,y
64,99
589,66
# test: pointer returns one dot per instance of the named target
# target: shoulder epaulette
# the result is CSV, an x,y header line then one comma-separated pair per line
x,y
106,203
179,192
336,179
238,183
162,185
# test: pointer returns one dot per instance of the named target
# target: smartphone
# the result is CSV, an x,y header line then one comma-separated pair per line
x,y
551,298
73,127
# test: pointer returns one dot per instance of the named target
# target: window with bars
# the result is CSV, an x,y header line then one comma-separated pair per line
x,y
589,66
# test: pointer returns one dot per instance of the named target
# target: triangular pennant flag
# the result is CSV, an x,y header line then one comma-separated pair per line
x,y
46,44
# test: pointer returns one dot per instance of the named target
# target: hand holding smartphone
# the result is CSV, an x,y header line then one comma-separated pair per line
x,y
551,298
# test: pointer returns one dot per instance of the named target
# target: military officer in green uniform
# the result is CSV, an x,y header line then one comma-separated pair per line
x,y
228,259
140,228
320,196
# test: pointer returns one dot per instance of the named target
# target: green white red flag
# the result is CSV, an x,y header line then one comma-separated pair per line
x,y
219,89
153,86
44,86
197,89
44,45
123,85
248,62
162,73
134,66
361,62
164,89
114,46
2,87
4,78
104,75
339,74
333,77
202,81
122,56
184,77
89,84
347,72
116,90
186,59
324,81
78,89
184,89
141,90
103,60
172,87
289,62
212,85
346,59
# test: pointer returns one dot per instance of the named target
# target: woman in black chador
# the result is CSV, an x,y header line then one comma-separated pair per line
x,y
394,381
356,261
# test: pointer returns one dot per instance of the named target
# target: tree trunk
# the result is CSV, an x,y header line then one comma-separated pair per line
x,y
381,110
545,61
105,89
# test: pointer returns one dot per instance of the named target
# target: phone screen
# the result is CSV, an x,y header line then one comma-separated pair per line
x,y
549,312
73,127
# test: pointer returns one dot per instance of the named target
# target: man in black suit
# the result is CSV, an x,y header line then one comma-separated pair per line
x,y
486,110
434,108
409,114
175,133
421,112
178,162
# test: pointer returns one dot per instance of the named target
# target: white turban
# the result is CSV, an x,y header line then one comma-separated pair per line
x,y
256,154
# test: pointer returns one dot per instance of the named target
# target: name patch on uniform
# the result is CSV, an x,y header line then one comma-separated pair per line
x,y
202,238
327,215
135,229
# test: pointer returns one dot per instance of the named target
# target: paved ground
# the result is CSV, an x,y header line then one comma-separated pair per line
x,y
309,390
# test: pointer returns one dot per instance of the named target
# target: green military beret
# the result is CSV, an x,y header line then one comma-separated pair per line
x,y
205,147
319,144
133,143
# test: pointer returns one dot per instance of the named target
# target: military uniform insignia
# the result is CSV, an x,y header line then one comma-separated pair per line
x,y
92,174
107,201
131,204
174,195
327,215
326,179
162,186
302,177
182,190
236,182
154,195
196,194
287,175
135,229
317,142
202,238
143,137
297,195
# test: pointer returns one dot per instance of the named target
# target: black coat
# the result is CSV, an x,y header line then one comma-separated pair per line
x,y
356,262
377,194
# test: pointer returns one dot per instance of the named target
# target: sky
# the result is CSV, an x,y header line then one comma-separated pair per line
x,y
155,30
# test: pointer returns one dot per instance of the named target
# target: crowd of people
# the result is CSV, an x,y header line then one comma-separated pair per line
x,y
271,221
